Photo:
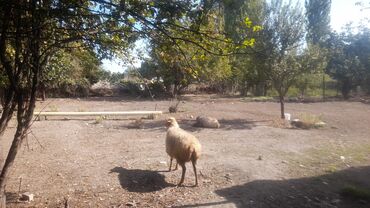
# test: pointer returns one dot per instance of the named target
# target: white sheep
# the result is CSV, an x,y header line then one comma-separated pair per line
x,y
182,146
207,122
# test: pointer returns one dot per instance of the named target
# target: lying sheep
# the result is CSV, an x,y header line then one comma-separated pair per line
x,y
207,122
182,146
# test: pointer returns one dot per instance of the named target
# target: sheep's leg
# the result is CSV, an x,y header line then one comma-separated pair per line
x,y
183,174
176,165
171,164
195,172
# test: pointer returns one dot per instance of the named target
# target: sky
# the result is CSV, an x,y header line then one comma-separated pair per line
x,y
342,12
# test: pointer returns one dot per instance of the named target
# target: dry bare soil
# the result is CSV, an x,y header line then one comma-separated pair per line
x,y
251,161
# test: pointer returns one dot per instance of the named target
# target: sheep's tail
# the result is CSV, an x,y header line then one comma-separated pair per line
x,y
195,153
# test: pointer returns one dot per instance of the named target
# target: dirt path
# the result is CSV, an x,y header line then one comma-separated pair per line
x,y
246,163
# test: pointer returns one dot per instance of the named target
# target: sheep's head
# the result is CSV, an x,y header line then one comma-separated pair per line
x,y
171,122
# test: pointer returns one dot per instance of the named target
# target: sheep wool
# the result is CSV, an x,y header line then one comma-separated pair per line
x,y
182,146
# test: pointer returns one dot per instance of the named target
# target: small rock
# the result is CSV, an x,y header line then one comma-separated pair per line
x,y
27,196
335,201
206,181
259,157
320,124
130,204
163,162
228,176
284,161
342,158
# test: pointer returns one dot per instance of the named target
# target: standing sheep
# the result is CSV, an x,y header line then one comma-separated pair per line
x,y
182,146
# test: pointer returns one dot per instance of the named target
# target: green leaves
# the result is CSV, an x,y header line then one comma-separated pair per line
x,y
257,28
249,42
248,22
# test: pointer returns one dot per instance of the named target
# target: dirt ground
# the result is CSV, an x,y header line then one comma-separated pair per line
x,y
251,161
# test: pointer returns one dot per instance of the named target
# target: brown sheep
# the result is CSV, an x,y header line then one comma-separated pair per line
x,y
182,146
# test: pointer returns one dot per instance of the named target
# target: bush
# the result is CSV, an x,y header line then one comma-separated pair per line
x,y
157,89
132,87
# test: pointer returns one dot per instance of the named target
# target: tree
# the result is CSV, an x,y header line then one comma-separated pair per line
x,y
285,25
318,20
249,70
70,71
179,63
345,64
360,47
318,28
32,31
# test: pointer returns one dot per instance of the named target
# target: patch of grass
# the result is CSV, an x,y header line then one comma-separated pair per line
x,y
331,169
310,118
258,99
334,157
356,192
99,119
307,121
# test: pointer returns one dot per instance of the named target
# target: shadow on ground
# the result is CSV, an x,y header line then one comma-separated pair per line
x,y
231,124
188,124
142,181
322,191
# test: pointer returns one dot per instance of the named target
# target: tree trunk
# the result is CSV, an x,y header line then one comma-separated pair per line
x,y
6,115
346,88
323,87
8,109
43,94
24,117
282,108
260,87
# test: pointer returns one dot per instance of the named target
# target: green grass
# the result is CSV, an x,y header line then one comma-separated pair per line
x,y
310,92
258,99
310,119
330,156
356,192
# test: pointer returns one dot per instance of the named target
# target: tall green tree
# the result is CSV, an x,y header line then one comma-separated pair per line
x,y
318,20
349,59
179,63
285,25
318,28
248,68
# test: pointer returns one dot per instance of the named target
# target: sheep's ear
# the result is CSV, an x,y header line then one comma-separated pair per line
x,y
168,123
